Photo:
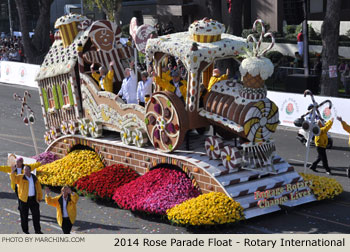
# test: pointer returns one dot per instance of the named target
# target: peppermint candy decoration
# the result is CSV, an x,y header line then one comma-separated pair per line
x,y
47,138
55,132
213,146
82,26
73,127
139,137
231,158
84,126
126,136
95,129
64,128
143,33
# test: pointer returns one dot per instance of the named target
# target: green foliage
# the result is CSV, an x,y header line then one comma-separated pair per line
x,y
290,29
246,32
274,56
258,27
109,7
291,37
125,31
347,33
55,97
45,98
313,35
344,38
70,93
60,95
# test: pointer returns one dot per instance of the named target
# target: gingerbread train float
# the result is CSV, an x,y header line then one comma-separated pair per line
x,y
239,162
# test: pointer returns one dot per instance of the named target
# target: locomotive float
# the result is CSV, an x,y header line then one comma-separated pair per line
x,y
77,112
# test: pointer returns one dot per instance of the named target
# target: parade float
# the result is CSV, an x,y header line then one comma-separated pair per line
x,y
238,165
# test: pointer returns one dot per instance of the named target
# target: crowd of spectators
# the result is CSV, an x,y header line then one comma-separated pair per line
x,y
11,48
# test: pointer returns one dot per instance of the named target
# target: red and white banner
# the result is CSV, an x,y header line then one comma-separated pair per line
x,y
18,73
291,106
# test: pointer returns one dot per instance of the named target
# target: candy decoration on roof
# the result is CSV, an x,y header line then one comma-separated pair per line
x,y
206,30
68,26
143,33
257,44
82,26
133,28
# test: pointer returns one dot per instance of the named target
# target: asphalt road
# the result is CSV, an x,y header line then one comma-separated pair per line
x,y
329,216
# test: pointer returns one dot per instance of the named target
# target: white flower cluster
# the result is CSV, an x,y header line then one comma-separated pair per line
x,y
257,66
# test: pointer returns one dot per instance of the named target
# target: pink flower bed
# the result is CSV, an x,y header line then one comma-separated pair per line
x,y
156,191
46,157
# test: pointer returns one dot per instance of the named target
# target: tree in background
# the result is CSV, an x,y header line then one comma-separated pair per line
x,y
111,8
214,9
235,9
35,48
330,37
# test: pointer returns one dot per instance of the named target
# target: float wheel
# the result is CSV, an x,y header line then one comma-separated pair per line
x,y
166,121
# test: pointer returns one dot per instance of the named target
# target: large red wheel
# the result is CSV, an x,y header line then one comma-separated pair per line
x,y
166,121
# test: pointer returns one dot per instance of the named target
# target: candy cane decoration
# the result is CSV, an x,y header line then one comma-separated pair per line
x,y
29,118
257,44
313,117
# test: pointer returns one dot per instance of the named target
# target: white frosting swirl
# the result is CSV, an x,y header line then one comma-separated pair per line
x,y
257,66
206,27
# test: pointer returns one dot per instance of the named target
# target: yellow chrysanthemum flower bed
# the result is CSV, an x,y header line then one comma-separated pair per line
x,y
69,169
7,169
323,187
207,209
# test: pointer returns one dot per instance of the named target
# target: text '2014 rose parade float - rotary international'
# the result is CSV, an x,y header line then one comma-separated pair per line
x,y
236,171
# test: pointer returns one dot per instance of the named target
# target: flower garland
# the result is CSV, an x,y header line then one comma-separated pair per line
x,y
103,183
7,169
323,187
46,157
207,209
156,191
69,169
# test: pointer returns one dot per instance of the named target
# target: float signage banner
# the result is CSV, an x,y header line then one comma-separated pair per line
x,y
292,106
19,73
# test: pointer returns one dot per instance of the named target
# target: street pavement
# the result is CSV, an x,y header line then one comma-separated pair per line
x,y
328,216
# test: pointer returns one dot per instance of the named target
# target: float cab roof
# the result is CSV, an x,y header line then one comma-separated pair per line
x,y
181,46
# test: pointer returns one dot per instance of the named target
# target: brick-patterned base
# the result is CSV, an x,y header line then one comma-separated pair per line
x,y
207,175
138,160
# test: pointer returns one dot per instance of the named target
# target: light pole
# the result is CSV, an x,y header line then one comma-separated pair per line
x,y
82,7
10,18
306,38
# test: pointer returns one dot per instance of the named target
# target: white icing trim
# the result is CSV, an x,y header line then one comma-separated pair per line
x,y
209,27
180,45
70,18
221,120
257,66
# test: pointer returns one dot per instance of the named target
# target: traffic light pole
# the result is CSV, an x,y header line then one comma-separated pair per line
x,y
306,39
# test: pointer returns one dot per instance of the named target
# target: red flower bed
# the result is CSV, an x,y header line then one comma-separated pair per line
x,y
103,183
156,191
